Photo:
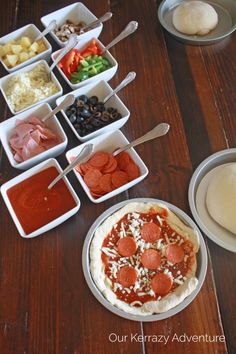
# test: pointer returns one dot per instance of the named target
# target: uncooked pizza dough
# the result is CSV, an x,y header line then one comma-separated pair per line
x,y
221,197
195,17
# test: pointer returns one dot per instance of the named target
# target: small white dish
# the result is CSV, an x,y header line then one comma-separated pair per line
x,y
51,99
34,170
197,195
76,13
100,89
7,126
108,143
32,32
105,75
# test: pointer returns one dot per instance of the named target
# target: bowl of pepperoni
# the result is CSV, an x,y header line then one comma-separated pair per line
x,y
144,259
103,176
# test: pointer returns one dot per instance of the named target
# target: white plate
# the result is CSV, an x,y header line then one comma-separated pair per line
x,y
200,273
197,195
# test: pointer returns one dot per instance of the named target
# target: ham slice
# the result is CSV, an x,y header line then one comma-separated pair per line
x,y
30,138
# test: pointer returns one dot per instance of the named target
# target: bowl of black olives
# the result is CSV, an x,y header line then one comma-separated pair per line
x,y
89,117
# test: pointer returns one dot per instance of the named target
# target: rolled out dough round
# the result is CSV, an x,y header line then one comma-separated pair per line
x,y
195,17
221,197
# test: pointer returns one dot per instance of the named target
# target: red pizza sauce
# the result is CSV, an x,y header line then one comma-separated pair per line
x,y
180,251
35,205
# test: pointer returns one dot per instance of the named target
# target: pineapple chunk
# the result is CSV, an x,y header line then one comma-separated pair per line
x,y
25,42
1,51
7,49
16,48
23,56
6,62
34,47
12,42
41,48
31,54
12,59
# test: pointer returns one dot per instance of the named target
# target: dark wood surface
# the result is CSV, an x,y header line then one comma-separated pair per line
x,y
45,304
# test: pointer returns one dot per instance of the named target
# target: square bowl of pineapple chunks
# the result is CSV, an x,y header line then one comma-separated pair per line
x,y
19,48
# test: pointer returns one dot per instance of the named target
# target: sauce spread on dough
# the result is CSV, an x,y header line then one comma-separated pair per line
x,y
165,244
35,205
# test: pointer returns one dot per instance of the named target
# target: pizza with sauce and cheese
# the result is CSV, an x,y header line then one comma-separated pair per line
x,y
143,259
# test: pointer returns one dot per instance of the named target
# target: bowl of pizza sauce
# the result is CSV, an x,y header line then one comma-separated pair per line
x,y
144,259
33,207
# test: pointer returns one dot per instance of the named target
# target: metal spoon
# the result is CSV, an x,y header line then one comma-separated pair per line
x,y
68,101
103,18
52,25
73,40
130,28
84,154
130,77
159,130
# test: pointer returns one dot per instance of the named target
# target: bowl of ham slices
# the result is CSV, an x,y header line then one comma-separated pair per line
x,y
27,140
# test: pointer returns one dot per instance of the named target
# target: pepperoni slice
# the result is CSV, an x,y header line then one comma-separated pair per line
x,y
151,259
133,171
110,166
84,167
126,276
99,159
92,177
150,232
161,284
105,183
119,178
174,253
123,160
97,190
127,246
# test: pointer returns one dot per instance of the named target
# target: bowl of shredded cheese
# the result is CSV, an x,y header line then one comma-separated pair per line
x,y
29,86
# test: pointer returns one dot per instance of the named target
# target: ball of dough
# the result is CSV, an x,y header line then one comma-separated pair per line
x,y
221,197
195,17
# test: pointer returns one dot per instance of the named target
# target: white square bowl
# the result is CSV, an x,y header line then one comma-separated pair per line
x,y
109,142
76,13
105,75
51,99
6,129
100,89
32,32
34,170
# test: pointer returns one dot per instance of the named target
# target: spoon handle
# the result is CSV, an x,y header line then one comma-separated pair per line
x,y
130,77
52,25
130,28
159,130
84,153
103,18
68,101
73,40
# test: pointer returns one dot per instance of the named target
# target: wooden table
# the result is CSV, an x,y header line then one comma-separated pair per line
x,y
46,306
